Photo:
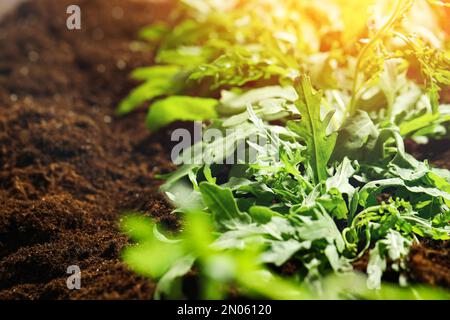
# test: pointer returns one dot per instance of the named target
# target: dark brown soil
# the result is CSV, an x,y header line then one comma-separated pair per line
x,y
69,168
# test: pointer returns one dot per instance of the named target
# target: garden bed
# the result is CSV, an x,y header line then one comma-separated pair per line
x,y
69,168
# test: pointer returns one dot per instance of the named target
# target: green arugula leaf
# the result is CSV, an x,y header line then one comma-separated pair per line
x,y
262,215
175,108
145,92
155,72
314,223
166,285
155,32
233,103
356,138
313,130
222,205
279,252
394,246
340,180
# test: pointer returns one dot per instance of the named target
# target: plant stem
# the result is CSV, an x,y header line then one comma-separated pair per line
x,y
379,34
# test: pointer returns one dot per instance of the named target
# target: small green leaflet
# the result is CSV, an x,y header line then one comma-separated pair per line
x,y
280,252
340,180
155,32
356,138
373,188
145,92
167,282
395,247
155,72
222,205
180,108
408,128
321,226
233,103
159,81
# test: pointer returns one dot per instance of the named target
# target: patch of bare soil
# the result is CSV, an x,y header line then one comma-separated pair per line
x,y
69,168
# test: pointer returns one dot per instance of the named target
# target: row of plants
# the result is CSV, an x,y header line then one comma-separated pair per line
x,y
336,92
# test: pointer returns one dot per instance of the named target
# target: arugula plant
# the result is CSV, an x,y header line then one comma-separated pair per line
x,y
221,265
314,199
